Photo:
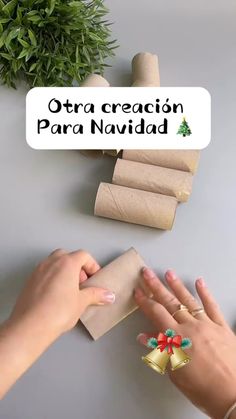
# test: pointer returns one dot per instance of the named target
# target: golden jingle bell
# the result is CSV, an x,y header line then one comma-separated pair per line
x,y
157,360
178,359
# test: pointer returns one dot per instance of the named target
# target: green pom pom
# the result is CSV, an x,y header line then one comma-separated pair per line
x,y
170,333
186,343
152,343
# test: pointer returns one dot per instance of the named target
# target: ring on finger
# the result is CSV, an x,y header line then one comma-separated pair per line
x,y
197,311
181,308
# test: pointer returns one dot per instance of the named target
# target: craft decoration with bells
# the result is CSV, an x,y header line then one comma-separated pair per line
x,y
167,347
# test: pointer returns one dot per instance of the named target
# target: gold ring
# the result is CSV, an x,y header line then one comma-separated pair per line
x,y
197,311
181,308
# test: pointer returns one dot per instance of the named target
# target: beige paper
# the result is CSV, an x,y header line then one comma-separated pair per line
x,y
100,153
135,206
145,70
153,179
121,276
186,160
95,80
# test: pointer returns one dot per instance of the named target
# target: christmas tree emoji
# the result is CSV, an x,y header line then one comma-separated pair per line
x,y
184,129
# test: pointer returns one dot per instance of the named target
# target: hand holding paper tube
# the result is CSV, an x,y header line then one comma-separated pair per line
x,y
122,275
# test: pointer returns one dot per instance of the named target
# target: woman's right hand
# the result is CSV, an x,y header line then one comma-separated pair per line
x,y
209,380
50,304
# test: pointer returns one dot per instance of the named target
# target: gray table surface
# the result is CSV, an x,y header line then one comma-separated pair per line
x,y
47,200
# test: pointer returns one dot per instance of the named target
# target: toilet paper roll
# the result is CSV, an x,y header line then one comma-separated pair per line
x,y
112,153
153,179
186,160
135,206
99,153
94,154
121,276
95,80
145,70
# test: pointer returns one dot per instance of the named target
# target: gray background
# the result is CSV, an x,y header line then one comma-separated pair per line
x,y
47,200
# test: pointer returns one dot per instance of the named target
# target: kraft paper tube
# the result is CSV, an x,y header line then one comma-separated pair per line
x,y
135,206
112,153
95,80
186,160
121,276
145,70
153,179
99,153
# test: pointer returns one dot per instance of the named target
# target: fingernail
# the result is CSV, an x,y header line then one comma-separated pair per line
x,y
83,276
148,273
108,297
142,338
201,282
138,292
170,275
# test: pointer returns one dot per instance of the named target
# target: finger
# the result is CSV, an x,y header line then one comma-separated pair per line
x,y
83,276
155,312
143,338
211,307
57,253
163,296
182,293
86,261
94,296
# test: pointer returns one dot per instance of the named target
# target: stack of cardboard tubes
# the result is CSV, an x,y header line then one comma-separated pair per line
x,y
147,184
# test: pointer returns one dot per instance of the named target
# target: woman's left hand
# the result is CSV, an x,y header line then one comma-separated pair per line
x,y
209,380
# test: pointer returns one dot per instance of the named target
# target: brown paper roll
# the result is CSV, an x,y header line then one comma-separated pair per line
x,y
95,80
135,206
112,153
186,160
94,154
153,179
145,70
121,276
99,153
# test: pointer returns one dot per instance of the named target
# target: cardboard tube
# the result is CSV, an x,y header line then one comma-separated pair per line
x,y
153,179
135,206
112,153
94,154
121,276
99,153
186,160
145,70
95,80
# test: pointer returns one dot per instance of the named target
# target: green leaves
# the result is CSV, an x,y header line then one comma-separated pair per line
x,y
6,56
11,35
32,37
53,42
23,43
9,7
23,53
52,4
